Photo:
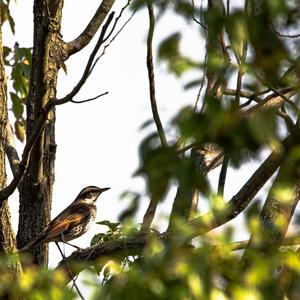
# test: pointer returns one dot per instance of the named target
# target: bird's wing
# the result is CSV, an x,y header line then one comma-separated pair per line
x,y
66,220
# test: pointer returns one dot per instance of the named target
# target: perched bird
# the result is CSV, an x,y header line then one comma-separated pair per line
x,y
72,222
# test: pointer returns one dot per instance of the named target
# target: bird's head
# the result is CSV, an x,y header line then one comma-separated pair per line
x,y
90,194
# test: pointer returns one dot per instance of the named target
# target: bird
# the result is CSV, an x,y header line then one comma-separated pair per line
x,y
72,222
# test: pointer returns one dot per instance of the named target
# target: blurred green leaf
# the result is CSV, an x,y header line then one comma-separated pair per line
x,y
169,51
17,105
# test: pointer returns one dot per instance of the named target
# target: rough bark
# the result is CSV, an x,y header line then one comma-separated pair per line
x,y
276,213
7,236
36,187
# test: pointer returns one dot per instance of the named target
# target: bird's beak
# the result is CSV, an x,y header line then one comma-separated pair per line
x,y
105,189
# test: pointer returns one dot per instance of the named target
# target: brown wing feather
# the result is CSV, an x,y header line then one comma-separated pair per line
x,y
68,218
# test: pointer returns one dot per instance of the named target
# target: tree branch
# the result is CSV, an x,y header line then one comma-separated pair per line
x,y
241,200
150,212
10,149
222,176
121,248
86,36
39,125
150,68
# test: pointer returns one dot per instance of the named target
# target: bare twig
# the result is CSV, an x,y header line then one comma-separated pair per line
x,y
283,96
113,38
241,73
73,279
186,148
88,100
201,84
40,122
87,70
10,149
227,7
150,212
275,100
195,19
150,68
85,37
240,245
290,36
222,177
288,120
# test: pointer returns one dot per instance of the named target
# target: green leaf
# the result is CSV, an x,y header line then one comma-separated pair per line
x,y
109,224
170,53
17,106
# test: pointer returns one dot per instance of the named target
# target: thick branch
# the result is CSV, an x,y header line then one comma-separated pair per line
x,y
82,259
86,257
89,32
241,200
276,213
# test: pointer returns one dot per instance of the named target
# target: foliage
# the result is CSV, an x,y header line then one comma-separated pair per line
x,y
246,105
33,283
18,60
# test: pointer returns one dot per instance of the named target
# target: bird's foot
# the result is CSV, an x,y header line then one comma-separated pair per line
x,y
74,246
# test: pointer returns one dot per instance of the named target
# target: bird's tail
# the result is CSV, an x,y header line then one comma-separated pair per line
x,y
39,239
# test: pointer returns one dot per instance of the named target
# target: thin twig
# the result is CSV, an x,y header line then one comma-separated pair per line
x,y
201,84
117,20
10,149
279,93
273,100
113,38
73,278
195,19
89,64
240,62
288,120
186,148
290,36
89,32
240,245
222,177
150,212
88,100
244,94
150,69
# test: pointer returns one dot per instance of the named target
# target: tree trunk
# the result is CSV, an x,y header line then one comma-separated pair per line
x,y
36,187
7,236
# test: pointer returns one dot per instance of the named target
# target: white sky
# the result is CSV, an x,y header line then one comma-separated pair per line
x,y
98,141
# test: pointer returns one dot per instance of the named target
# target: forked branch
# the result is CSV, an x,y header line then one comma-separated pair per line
x,y
39,125
89,32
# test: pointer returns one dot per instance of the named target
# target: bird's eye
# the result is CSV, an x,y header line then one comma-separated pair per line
x,y
87,195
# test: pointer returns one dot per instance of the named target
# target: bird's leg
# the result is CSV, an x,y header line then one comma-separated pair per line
x,y
61,252
63,240
78,248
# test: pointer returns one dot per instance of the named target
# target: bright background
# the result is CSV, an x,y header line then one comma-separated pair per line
x,y
98,141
